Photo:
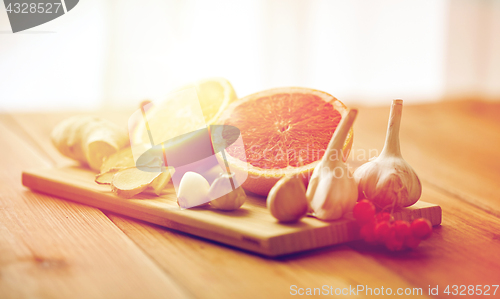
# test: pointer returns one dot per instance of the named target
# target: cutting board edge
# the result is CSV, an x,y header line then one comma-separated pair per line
x,y
350,232
272,246
30,180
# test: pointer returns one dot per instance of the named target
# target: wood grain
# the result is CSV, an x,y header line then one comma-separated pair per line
x,y
56,249
223,272
252,227
464,250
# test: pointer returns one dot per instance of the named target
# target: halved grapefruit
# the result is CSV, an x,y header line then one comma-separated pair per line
x,y
285,131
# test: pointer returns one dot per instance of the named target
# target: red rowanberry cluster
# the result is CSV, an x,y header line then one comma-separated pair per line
x,y
381,228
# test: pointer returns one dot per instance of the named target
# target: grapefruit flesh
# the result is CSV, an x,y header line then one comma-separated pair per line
x,y
285,131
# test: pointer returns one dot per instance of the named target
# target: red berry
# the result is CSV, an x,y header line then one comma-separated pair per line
x,y
367,233
421,228
412,242
382,231
363,211
394,243
383,217
402,228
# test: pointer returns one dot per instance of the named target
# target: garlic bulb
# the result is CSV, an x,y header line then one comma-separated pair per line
x,y
287,200
389,179
224,195
332,190
193,190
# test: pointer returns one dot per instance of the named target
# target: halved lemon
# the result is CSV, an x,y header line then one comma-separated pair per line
x,y
169,119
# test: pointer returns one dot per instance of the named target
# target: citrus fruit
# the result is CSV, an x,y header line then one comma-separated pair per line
x,y
285,131
215,95
168,119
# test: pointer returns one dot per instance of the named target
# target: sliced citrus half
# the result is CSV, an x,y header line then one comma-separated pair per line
x,y
285,131
168,118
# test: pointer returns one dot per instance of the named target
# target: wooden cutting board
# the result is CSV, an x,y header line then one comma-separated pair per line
x,y
251,228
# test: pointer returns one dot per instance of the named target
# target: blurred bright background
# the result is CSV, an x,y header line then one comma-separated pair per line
x,y
115,53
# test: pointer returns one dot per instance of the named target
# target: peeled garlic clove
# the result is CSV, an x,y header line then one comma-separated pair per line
x,y
193,190
222,195
287,200
389,179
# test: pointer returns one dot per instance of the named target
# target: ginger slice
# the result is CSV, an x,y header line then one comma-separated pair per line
x,y
121,159
106,178
124,158
128,184
162,180
131,181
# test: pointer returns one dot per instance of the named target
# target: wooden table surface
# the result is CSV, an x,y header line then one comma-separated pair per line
x,y
52,248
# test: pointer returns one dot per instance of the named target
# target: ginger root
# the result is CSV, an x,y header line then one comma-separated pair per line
x,y
121,159
106,178
88,139
133,180
162,180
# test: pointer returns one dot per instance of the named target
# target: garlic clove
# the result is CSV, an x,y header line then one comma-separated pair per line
x,y
287,200
222,194
389,179
193,190
332,190
336,194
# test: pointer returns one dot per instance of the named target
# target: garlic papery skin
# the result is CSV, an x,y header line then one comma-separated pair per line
x,y
287,200
226,195
332,190
389,180
193,190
